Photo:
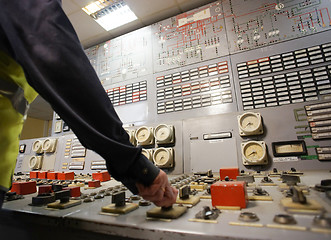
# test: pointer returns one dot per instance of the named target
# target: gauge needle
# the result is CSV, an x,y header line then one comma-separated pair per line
x,y
249,123
253,152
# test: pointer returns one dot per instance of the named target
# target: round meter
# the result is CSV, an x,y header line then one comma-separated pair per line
x,y
164,134
35,162
37,146
250,124
163,157
148,154
144,136
254,153
49,145
131,134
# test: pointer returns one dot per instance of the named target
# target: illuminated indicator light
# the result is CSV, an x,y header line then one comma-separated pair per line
x,y
223,67
202,68
251,62
186,93
142,92
223,71
177,81
160,78
264,59
212,69
223,63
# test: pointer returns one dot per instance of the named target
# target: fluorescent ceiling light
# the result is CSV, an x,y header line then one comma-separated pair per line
x,y
110,14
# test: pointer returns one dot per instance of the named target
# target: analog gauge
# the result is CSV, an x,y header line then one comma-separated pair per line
x,y
250,124
35,162
254,153
144,136
163,157
37,146
49,145
164,134
148,153
289,148
131,134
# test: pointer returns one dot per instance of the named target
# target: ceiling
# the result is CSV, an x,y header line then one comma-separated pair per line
x,y
91,33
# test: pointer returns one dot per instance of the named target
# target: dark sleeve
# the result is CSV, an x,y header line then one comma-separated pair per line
x,y
43,41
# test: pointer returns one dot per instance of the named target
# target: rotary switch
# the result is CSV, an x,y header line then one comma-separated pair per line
x,y
49,145
163,157
164,134
144,136
37,146
35,162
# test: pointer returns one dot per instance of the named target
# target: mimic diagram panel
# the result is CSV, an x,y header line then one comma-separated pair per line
x,y
188,38
257,23
196,87
123,58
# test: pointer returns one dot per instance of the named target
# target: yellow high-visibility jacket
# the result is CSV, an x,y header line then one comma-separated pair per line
x,y
11,115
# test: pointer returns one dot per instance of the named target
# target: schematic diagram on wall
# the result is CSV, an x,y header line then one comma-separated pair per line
x,y
261,23
92,55
189,38
125,57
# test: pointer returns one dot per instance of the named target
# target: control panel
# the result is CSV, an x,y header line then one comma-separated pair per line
x,y
232,100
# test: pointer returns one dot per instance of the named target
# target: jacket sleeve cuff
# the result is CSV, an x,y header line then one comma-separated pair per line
x,y
144,171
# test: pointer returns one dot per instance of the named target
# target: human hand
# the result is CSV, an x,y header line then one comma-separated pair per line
x,y
160,192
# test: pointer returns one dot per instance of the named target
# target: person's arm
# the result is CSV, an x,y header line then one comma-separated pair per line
x,y
41,38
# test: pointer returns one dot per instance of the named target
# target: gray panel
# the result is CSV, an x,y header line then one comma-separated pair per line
x,y
212,154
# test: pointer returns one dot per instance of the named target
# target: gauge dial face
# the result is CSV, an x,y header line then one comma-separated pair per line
x,y
47,144
254,152
162,133
161,157
289,148
143,134
34,162
250,123
37,146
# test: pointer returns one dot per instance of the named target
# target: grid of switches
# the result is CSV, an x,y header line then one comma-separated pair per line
x,y
192,74
299,58
293,87
193,88
195,102
130,93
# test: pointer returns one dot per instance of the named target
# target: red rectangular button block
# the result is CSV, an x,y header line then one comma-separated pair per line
x,y
74,191
24,188
94,184
101,176
43,175
34,174
229,194
52,175
66,176
44,189
232,173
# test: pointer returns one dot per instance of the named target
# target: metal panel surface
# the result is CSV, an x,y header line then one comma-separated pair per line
x,y
212,154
